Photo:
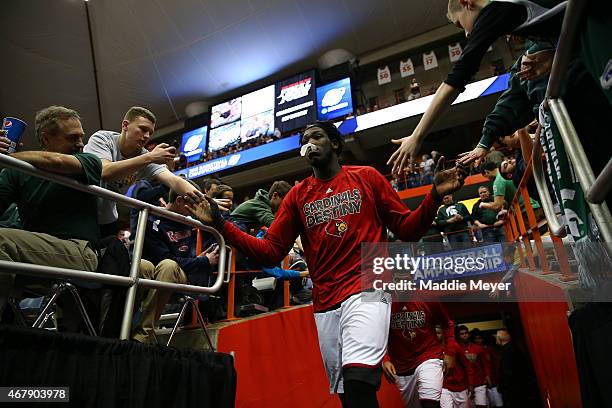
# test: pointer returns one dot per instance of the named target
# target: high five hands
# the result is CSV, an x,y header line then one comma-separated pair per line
x,y
448,181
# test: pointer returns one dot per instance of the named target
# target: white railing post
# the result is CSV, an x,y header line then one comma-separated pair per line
x,y
130,298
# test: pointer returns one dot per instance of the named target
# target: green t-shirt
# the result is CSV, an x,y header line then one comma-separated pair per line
x,y
505,188
54,209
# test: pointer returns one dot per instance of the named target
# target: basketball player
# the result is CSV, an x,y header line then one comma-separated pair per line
x,y
334,211
479,364
416,358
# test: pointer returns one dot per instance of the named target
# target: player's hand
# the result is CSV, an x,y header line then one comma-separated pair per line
x,y
389,370
448,181
471,392
403,156
448,363
204,208
162,154
475,156
536,65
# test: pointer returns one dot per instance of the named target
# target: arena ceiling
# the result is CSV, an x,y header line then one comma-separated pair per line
x,y
165,54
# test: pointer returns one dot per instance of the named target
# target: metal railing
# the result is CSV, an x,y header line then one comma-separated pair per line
x,y
575,151
132,281
522,224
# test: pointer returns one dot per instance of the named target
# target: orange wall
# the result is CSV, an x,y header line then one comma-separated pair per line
x,y
550,345
279,364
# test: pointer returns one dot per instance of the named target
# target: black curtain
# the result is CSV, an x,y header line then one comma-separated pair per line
x,y
111,373
592,335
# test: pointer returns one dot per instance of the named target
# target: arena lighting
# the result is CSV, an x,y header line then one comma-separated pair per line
x,y
418,106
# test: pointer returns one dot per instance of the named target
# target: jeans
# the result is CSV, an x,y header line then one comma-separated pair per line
x,y
459,237
494,234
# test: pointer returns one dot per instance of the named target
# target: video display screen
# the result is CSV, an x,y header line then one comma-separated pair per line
x,y
193,143
295,102
334,100
225,113
223,136
257,125
259,101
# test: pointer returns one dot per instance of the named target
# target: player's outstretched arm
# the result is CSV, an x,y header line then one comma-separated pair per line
x,y
268,251
448,181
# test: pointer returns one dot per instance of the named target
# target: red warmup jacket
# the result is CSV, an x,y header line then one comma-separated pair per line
x,y
461,375
479,362
334,217
412,334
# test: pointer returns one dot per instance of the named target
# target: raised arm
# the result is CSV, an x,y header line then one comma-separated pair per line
x,y
494,21
174,182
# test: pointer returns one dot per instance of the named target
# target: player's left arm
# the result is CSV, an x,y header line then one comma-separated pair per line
x,y
412,225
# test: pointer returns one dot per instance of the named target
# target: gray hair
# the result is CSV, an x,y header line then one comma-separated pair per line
x,y
47,120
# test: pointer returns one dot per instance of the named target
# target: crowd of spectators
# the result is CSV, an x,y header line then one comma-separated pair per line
x,y
86,231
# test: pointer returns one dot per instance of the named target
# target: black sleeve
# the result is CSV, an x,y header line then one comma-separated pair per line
x,y
495,20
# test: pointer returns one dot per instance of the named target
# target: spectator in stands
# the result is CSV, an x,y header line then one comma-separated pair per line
x,y
504,192
125,160
483,22
225,193
479,365
415,90
59,223
210,186
453,218
427,166
516,379
259,211
485,220
169,245
395,183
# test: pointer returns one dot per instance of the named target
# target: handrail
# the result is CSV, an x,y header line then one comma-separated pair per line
x,y
571,19
602,185
132,281
573,16
585,175
554,226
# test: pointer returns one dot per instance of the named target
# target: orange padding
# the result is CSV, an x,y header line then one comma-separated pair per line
x,y
279,364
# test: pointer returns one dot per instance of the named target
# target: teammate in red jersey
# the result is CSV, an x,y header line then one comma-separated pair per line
x,y
458,384
334,211
480,365
416,357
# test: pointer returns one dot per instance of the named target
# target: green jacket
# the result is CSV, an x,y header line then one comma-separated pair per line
x,y
517,106
447,211
256,212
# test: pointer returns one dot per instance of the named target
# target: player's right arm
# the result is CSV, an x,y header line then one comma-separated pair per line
x,y
269,250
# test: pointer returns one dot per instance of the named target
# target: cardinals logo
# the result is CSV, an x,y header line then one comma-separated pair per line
x,y
409,334
336,228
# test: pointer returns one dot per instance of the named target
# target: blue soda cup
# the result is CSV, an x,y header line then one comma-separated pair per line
x,y
14,130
